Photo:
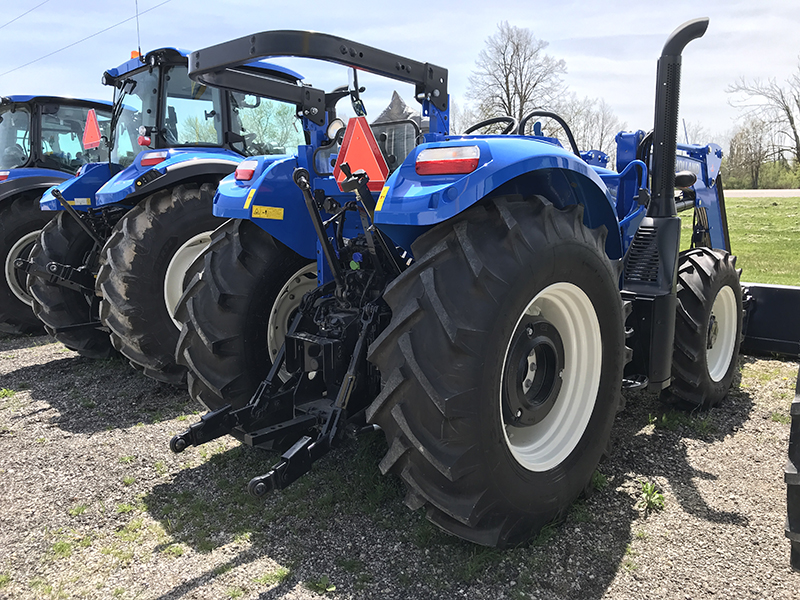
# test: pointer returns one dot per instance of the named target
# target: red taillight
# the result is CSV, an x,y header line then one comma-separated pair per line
x,y
245,170
144,140
3,175
454,160
153,158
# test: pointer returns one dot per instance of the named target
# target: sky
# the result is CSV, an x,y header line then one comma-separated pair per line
x,y
610,47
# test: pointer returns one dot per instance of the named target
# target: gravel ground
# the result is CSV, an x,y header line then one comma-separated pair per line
x,y
95,506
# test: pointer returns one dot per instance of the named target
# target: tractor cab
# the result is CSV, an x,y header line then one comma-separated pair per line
x,y
45,132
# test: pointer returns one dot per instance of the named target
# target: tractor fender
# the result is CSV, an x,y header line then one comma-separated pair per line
x,y
79,191
272,201
27,180
410,203
178,165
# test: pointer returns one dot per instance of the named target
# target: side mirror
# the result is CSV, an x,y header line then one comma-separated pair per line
x,y
685,179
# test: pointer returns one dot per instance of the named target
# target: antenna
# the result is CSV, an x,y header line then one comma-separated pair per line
x,y
138,35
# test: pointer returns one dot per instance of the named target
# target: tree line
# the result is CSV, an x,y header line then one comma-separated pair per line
x,y
514,75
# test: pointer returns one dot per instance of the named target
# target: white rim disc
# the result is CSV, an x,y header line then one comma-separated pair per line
x,y
20,250
176,271
718,357
286,303
548,443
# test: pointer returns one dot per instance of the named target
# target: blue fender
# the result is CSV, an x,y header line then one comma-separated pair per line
x,y
25,179
410,203
179,165
80,191
271,200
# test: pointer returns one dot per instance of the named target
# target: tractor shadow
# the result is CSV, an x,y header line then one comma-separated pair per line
x,y
83,395
347,521
653,440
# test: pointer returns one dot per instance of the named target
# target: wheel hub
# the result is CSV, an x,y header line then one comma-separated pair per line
x,y
533,372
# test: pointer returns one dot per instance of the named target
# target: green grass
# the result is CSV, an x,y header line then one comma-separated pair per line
x,y
78,510
277,576
6,393
650,499
781,418
321,585
765,237
62,549
5,579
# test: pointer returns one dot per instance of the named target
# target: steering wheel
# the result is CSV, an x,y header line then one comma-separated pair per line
x,y
557,119
510,128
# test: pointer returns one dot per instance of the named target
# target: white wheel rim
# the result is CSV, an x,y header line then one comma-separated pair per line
x,y
547,444
20,249
286,303
176,271
723,313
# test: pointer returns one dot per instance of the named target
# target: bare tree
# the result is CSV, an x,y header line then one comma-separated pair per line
x,y
693,132
591,120
775,105
461,117
750,147
514,75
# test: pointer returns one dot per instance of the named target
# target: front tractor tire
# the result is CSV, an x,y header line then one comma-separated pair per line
x,y
502,368
708,328
21,220
236,313
61,309
142,270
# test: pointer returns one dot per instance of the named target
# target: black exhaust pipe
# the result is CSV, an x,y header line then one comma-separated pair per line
x,y
651,263
665,132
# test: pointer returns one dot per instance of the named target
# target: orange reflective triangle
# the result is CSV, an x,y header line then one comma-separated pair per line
x,y
360,150
91,133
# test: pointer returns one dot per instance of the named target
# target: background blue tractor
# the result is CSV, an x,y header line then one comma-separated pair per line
x,y
114,258
40,146
484,311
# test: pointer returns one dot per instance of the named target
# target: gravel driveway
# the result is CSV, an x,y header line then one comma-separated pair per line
x,y
95,506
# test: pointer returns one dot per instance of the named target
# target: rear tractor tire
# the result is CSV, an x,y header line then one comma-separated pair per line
x,y
502,368
21,221
236,313
708,329
142,269
64,241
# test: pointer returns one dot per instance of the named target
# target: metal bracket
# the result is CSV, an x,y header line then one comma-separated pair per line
x,y
78,279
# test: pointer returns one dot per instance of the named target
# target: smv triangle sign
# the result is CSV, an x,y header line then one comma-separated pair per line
x,y
91,133
360,151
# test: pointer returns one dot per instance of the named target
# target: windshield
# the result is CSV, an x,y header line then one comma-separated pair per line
x,y
15,137
193,111
136,102
265,126
62,137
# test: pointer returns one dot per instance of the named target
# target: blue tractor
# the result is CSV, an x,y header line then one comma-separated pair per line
x,y
41,144
108,269
484,307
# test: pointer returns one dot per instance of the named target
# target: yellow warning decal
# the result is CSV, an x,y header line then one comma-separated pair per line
x,y
382,197
249,198
80,202
268,212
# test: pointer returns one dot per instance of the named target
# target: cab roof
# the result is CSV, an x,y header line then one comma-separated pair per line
x,y
181,55
51,99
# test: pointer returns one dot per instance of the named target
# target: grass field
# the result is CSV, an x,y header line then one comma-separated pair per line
x,y
765,237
